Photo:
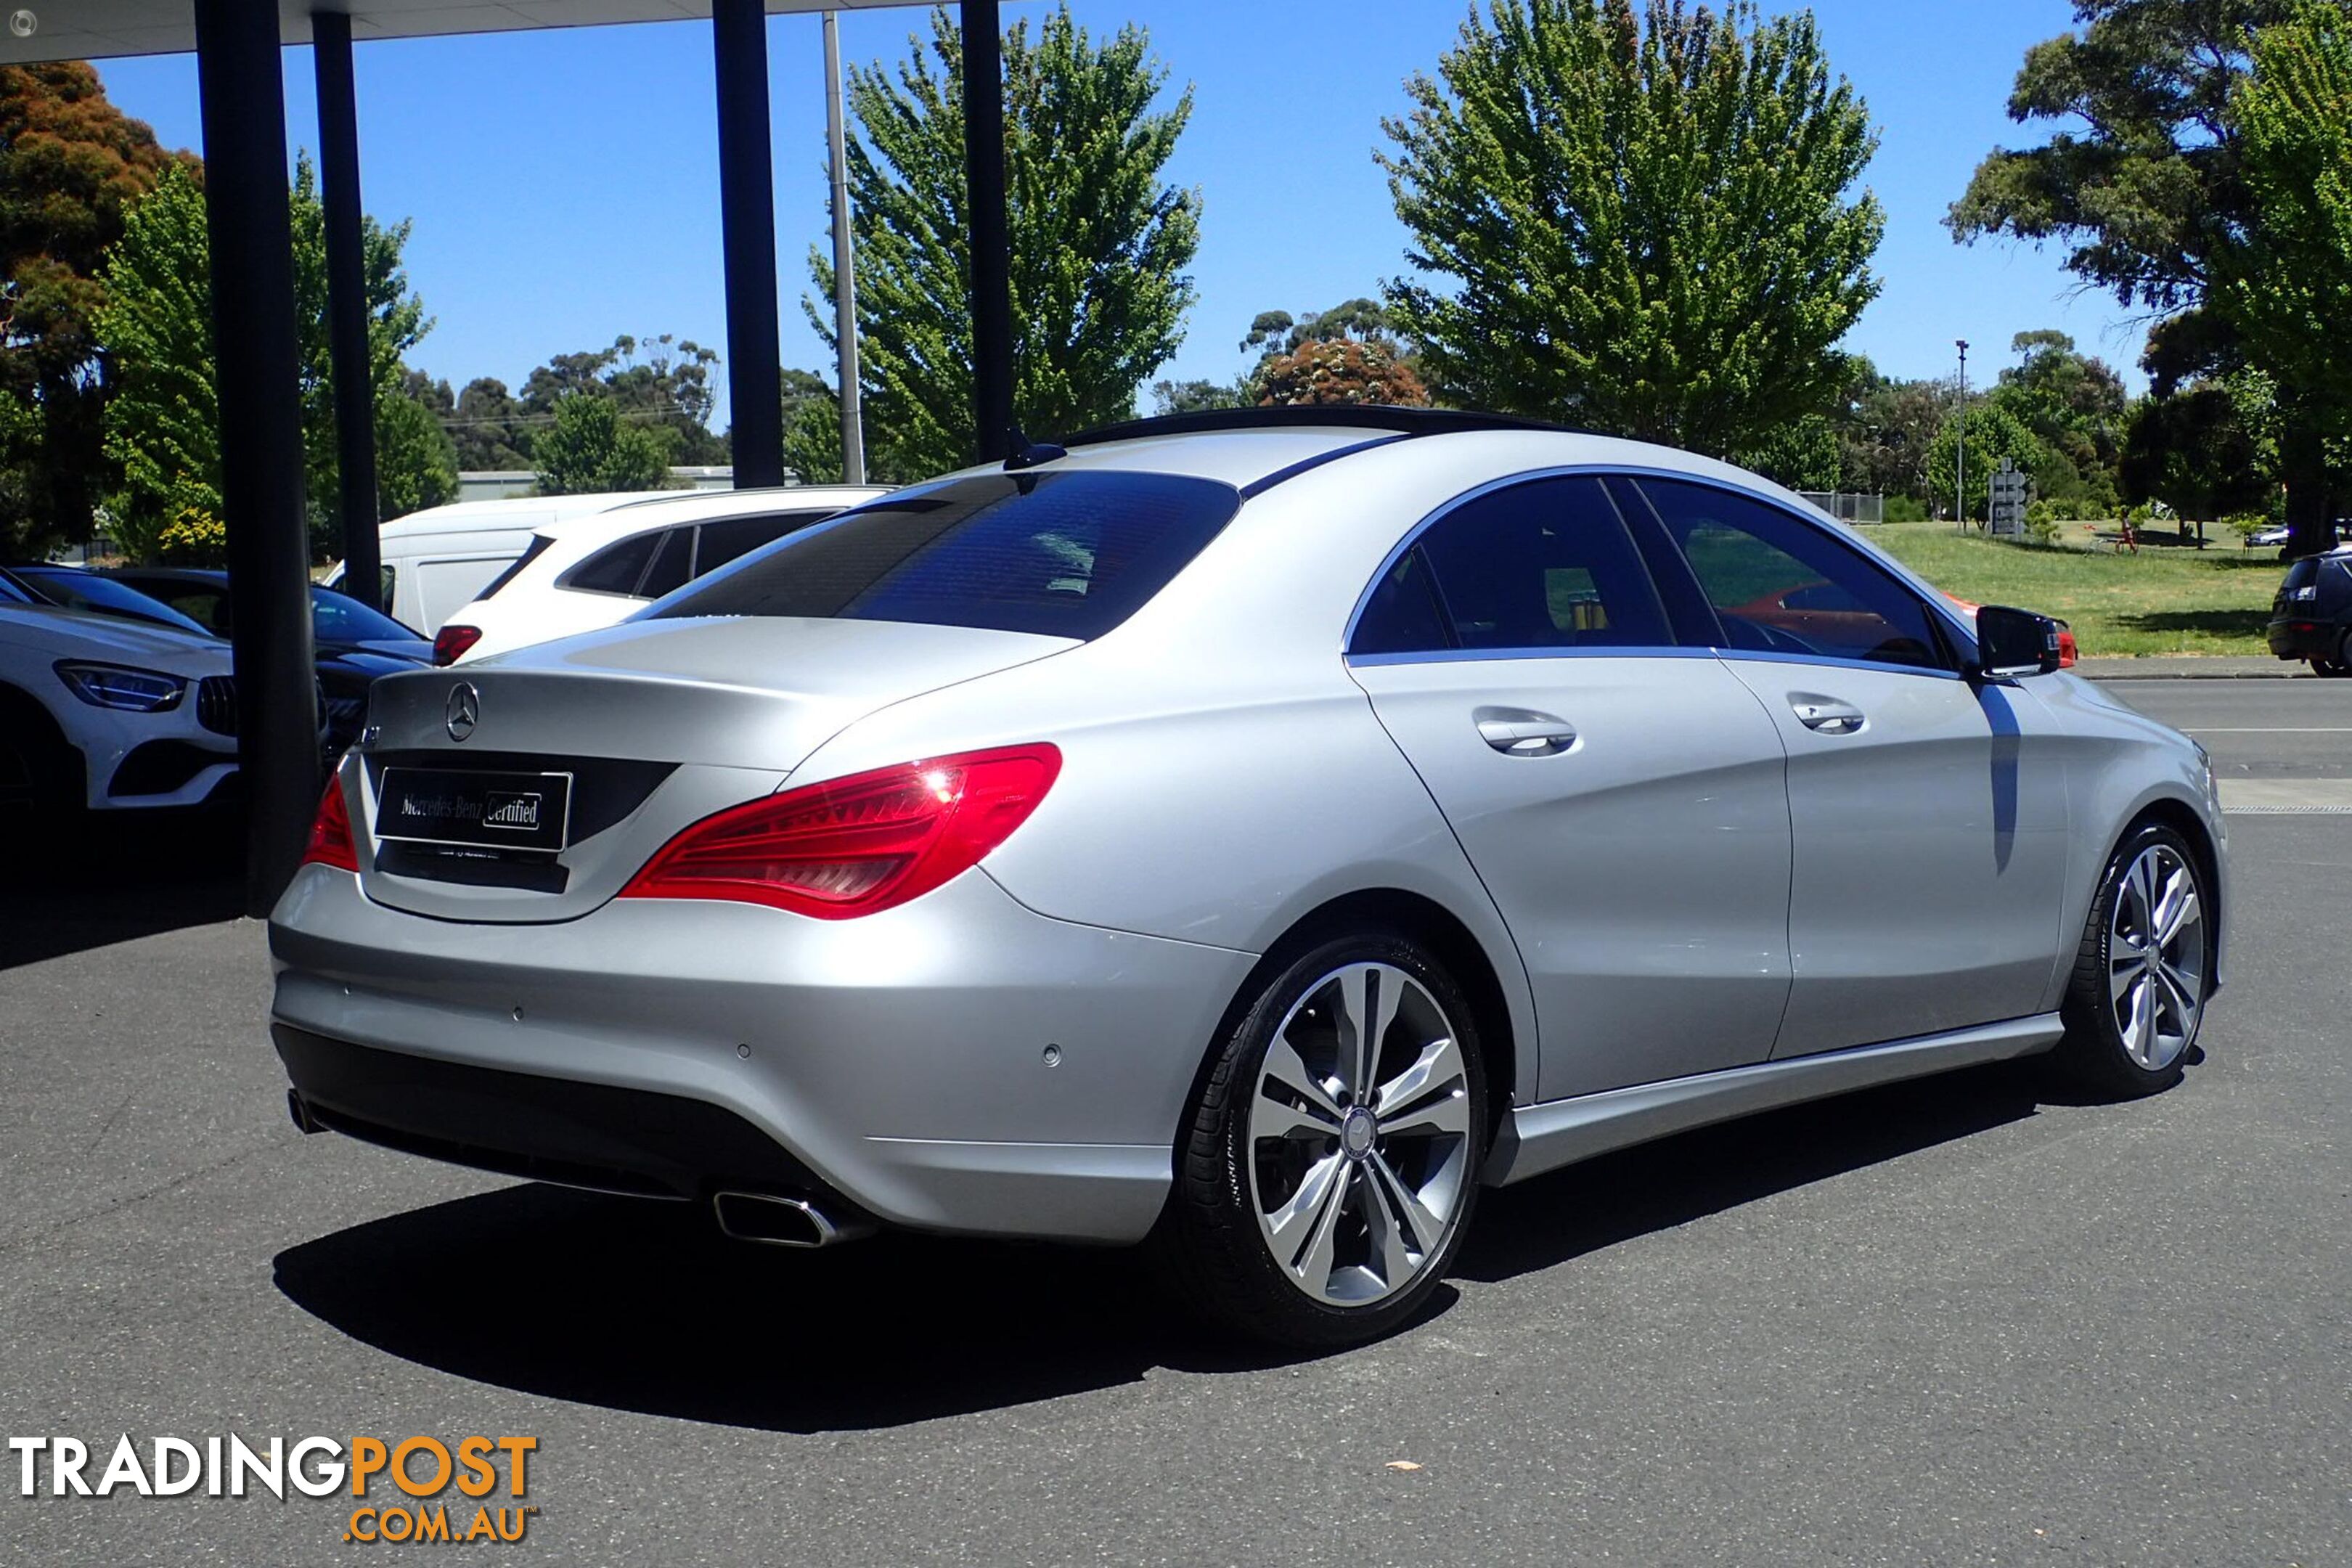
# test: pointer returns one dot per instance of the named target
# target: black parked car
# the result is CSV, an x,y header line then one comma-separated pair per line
x,y
354,644
2311,619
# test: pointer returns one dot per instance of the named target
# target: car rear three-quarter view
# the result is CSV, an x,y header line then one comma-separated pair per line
x,y
1249,834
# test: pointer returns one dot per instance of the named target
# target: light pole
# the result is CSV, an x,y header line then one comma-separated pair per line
x,y
844,267
1961,460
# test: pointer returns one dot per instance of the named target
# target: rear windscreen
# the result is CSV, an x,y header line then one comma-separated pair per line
x,y
1062,555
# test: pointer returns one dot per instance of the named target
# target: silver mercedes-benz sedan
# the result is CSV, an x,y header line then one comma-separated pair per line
x,y
1253,833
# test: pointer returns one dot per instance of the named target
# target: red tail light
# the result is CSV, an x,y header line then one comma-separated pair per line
x,y
853,845
450,643
330,831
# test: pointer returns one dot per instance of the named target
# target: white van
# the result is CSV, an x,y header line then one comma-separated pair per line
x,y
437,560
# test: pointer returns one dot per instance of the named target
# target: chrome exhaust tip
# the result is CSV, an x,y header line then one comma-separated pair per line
x,y
774,1221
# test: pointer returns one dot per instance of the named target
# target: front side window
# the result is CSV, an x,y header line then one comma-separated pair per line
x,y
1062,554
1540,566
1778,584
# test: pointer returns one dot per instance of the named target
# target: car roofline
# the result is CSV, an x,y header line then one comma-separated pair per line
x,y
1382,417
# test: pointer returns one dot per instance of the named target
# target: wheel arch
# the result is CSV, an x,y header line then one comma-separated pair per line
x,y
21,708
1426,921
2187,821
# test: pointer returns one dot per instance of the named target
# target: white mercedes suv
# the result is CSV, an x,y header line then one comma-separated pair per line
x,y
107,713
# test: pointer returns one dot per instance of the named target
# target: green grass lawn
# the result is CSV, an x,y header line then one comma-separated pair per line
x,y
2166,599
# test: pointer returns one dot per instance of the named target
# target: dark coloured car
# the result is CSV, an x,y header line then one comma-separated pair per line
x,y
355,644
2311,619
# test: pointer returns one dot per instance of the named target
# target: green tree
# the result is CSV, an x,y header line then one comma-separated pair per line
x,y
1100,242
2075,405
1640,221
2198,452
2289,288
1889,429
489,426
1802,454
1993,432
660,382
162,422
71,164
415,461
2144,183
1198,397
812,428
396,323
589,448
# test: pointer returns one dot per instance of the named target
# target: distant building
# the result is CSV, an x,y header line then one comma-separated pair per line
x,y
505,484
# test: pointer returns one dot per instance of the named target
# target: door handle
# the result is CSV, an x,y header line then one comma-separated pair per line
x,y
1825,715
1523,732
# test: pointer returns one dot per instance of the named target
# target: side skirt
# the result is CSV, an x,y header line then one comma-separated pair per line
x,y
1539,1138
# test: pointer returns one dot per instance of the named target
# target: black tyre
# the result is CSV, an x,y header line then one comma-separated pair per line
x,y
41,773
1322,1187
2144,970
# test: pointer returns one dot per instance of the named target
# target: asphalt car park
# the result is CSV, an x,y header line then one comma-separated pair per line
x,y
1972,1318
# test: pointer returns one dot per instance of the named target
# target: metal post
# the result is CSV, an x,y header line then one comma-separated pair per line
x,y
992,263
845,268
1961,457
243,113
348,350
747,208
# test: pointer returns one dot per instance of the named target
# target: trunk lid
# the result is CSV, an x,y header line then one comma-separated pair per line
x,y
657,724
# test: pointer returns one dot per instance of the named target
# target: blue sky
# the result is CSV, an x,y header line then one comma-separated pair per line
x,y
564,186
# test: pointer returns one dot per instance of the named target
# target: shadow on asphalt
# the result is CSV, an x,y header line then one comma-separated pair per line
x,y
641,1306
115,881
1600,1203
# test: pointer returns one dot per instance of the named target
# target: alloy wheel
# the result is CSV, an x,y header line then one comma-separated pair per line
x,y
2155,957
1360,1136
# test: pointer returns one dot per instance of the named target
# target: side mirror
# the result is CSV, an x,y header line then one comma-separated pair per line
x,y
2014,642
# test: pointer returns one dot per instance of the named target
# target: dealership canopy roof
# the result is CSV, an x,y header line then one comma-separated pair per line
x,y
95,30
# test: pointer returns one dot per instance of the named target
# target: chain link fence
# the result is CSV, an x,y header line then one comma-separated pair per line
x,y
1848,506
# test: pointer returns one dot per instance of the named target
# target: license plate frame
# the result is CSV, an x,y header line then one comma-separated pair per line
x,y
475,809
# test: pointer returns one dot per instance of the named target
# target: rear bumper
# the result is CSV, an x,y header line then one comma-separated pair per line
x,y
674,1049
2303,639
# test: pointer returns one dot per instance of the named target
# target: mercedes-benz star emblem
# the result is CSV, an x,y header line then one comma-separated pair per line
x,y
464,710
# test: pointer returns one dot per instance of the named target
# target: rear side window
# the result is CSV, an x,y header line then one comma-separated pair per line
x,y
1062,555
616,568
1544,564
672,565
727,538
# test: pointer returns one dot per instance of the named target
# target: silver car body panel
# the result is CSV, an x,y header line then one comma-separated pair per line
x,y
736,705
902,1056
1644,869
1226,774
1955,783
1545,1137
